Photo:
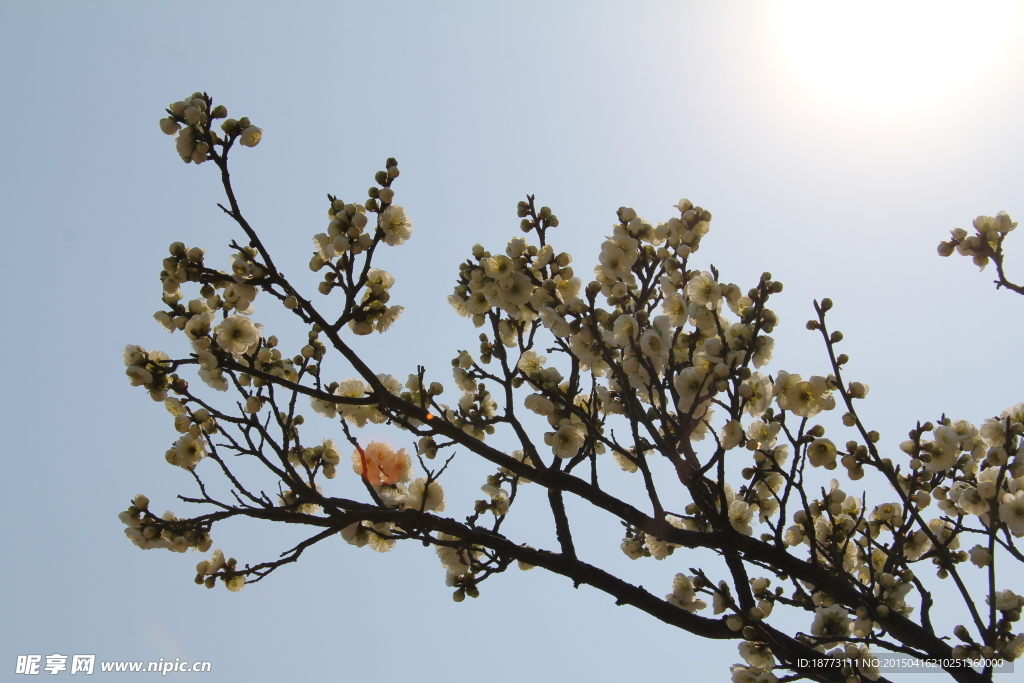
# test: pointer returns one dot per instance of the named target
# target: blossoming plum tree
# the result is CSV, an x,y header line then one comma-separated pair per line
x,y
643,357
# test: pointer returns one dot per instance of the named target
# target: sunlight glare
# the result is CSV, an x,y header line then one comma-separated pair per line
x,y
893,55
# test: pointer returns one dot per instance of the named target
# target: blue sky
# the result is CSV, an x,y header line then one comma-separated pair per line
x,y
835,149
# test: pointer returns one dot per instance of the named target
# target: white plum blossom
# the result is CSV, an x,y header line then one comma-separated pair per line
x,y
456,561
757,654
1011,511
980,556
566,441
357,414
530,362
237,335
430,498
943,458
618,255
822,453
732,434
916,544
199,324
1006,600
396,225
959,433
807,398
289,498
751,674
500,501
760,394
740,514
690,383
214,378
513,291
388,318
763,433
675,308
831,621
555,322
212,565
355,534
625,331
138,375
704,291
379,537
887,512
251,136
764,348
539,404
187,452
683,594
658,549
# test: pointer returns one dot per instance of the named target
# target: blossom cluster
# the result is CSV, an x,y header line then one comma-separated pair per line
x,y
189,119
207,572
654,358
147,369
388,471
657,360
148,531
984,244
625,369
229,294
347,238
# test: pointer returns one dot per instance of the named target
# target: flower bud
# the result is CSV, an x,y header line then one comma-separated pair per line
x,y
169,126
251,136
858,389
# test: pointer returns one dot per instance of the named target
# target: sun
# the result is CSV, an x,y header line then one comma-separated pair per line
x,y
893,55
